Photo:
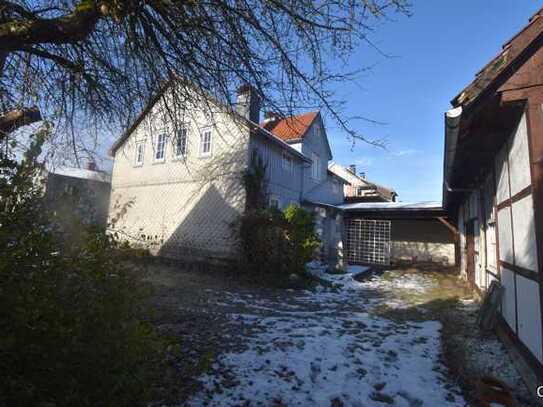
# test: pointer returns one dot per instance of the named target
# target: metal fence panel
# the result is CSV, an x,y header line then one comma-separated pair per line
x,y
368,241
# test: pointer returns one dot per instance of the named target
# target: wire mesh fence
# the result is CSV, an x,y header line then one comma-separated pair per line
x,y
368,241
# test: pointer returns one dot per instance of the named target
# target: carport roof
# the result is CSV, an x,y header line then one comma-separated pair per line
x,y
392,206
395,210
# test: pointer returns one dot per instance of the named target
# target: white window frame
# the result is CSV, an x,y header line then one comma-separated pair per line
x,y
317,130
160,143
203,142
335,186
182,130
277,204
137,161
315,166
287,162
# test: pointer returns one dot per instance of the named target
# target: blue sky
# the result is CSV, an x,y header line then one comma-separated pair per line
x,y
436,53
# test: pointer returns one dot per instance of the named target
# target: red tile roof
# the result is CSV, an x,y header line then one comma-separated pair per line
x,y
291,128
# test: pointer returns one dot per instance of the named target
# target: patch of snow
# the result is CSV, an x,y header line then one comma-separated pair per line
x,y
82,173
353,269
343,281
327,345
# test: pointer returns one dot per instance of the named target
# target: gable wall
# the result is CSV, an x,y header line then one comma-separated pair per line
x,y
284,185
181,207
322,189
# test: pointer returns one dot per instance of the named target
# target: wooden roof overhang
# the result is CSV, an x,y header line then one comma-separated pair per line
x,y
488,111
481,134
396,214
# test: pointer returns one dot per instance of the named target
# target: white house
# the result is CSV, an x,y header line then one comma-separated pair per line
x,y
177,174
359,188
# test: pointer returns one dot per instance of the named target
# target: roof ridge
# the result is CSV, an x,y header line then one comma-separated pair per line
x,y
507,55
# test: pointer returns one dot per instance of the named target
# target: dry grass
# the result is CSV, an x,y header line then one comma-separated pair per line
x,y
451,302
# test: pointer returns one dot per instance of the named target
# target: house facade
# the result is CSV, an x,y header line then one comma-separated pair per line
x,y
177,175
493,185
359,188
83,192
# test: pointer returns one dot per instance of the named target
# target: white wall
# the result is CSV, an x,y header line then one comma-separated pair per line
x,y
186,205
516,239
524,233
529,315
508,299
423,240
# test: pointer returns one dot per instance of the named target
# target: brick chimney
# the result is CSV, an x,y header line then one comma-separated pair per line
x,y
248,103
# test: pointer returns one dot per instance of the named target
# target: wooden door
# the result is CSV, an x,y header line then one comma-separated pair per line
x,y
470,252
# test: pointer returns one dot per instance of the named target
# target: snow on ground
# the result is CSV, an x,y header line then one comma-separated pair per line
x,y
327,348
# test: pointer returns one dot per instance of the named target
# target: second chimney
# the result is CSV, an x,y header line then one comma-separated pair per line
x,y
248,103
91,165
352,168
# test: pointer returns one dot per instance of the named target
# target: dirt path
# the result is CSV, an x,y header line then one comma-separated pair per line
x,y
328,347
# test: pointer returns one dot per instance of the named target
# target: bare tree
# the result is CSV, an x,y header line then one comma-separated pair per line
x,y
101,61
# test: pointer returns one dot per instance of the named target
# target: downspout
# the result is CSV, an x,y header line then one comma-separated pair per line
x,y
304,166
452,126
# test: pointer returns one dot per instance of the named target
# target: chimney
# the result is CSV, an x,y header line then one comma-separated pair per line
x,y
363,175
352,168
91,165
248,103
270,116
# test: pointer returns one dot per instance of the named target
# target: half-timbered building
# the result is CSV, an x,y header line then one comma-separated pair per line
x,y
493,185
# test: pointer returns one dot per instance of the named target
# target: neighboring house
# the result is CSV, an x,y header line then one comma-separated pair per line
x,y
360,189
493,186
86,191
319,189
177,176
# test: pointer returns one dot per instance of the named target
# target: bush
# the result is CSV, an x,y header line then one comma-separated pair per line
x,y
301,234
71,307
275,243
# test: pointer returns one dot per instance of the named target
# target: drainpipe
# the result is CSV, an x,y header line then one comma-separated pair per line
x,y
452,126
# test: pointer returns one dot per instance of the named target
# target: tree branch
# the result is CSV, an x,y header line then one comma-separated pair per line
x,y
70,28
12,120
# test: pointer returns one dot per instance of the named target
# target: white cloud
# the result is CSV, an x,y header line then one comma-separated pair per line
x,y
407,152
364,162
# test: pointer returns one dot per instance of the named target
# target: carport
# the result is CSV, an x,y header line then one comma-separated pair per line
x,y
381,233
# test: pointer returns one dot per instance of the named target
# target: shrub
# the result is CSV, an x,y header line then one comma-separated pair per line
x,y
71,308
302,236
275,243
